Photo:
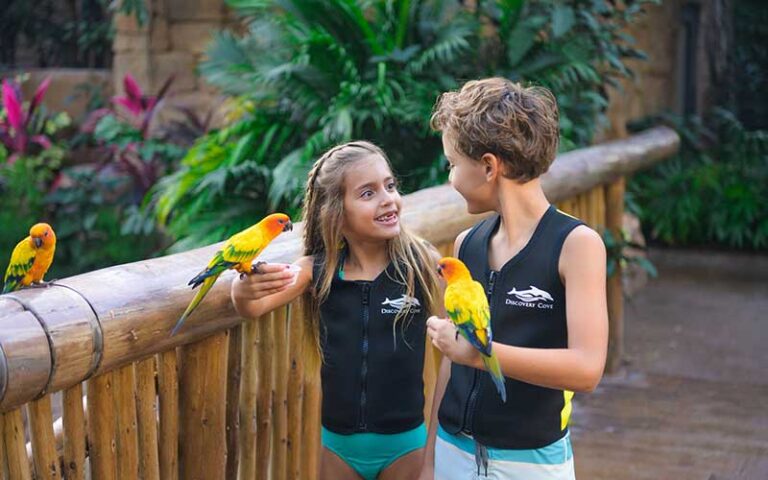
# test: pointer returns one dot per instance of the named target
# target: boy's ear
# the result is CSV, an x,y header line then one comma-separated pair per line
x,y
492,166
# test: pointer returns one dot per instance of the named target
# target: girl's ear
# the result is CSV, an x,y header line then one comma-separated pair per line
x,y
491,166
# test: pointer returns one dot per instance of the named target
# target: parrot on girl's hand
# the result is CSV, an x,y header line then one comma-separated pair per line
x,y
31,259
237,254
467,307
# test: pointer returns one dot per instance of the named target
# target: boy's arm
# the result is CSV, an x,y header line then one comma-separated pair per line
x,y
260,293
580,366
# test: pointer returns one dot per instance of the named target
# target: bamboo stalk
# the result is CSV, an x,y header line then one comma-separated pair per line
x,y
16,453
295,392
280,406
168,382
248,394
101,427
311,426
73,419
264,399
125,410
202,408
233,400
614,220
146,415
43,443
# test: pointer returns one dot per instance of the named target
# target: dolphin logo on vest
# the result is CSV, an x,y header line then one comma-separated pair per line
x,y
399,303
531,298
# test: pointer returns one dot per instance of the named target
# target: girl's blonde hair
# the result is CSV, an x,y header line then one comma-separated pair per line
x,y
323,215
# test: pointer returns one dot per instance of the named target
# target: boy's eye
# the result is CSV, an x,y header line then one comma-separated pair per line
x,y
392,186
448,166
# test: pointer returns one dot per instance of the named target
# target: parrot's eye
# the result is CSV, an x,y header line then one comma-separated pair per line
x,y
45,234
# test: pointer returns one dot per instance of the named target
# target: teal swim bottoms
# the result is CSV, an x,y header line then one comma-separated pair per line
x,y
370,453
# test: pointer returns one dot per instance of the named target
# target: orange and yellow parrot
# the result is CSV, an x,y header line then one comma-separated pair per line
x,y
237,253
31,258
467,307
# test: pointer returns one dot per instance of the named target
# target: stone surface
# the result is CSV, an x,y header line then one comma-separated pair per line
x,y
62,94
192,36
178,63
690,402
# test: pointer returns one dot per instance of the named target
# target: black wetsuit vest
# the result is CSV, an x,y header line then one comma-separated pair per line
x,y
372,373
527,300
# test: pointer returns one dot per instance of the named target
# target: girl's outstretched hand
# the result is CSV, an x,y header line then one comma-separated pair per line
x,y
267,279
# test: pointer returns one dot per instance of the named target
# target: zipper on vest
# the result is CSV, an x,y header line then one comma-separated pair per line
x,y
469,413
362,425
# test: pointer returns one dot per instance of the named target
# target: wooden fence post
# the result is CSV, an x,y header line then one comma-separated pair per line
x,y
614,212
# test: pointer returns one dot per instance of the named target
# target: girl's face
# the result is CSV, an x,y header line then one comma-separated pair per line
x,y
371,201
469,177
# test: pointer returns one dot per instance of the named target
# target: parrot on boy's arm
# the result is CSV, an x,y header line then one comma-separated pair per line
x,y
31,259
237,253
468,309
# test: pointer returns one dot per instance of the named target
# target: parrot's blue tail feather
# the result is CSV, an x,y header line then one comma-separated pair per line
x,y
492,364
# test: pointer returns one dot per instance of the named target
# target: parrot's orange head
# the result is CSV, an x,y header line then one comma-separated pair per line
x,y
277,223
452,269
42,235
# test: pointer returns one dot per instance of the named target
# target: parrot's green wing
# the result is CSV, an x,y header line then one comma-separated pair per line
x,y
467,306
22,258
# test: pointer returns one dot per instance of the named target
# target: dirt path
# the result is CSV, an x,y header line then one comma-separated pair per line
x,y
692,400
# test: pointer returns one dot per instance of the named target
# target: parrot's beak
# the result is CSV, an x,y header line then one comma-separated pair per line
x,y
37,241
288,226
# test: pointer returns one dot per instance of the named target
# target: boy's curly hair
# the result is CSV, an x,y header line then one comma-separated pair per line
x,y
495,115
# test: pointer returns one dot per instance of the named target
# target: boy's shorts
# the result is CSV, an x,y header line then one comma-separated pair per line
x,y
459,457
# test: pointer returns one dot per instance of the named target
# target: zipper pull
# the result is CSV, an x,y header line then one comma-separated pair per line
x,y
366,293
491,282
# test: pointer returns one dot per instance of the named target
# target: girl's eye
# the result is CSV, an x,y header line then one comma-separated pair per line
x,y
366,194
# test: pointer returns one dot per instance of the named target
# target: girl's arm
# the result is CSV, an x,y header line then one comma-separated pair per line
x,y
260,293
580,366
443,375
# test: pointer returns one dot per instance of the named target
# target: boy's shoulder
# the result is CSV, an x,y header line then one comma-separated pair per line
x,y
582,247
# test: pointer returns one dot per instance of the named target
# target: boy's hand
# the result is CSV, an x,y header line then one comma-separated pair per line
x,y
267,279
446,338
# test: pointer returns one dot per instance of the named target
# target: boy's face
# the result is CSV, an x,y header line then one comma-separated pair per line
x,y
468,177
371,201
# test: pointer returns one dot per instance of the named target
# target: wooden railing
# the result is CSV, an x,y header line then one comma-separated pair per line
x,y
225,398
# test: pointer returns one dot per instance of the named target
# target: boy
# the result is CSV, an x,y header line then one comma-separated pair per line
x,y
544,274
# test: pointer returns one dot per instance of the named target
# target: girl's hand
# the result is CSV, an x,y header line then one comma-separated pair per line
x,y
427,473
267,280
445,338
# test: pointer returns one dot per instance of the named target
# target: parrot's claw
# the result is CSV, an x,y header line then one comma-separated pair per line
x,y
255,267
41,284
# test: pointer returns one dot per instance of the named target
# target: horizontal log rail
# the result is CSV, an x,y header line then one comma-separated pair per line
x,y
83,326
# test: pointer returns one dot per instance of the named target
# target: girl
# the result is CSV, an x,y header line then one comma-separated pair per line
x,y
544,275
369,286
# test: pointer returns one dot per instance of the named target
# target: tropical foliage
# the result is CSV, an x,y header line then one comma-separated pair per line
x,y
310,74
713,192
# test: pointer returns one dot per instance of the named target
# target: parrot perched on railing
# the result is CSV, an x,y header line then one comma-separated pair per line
x,y
467,307
237,253
31,259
